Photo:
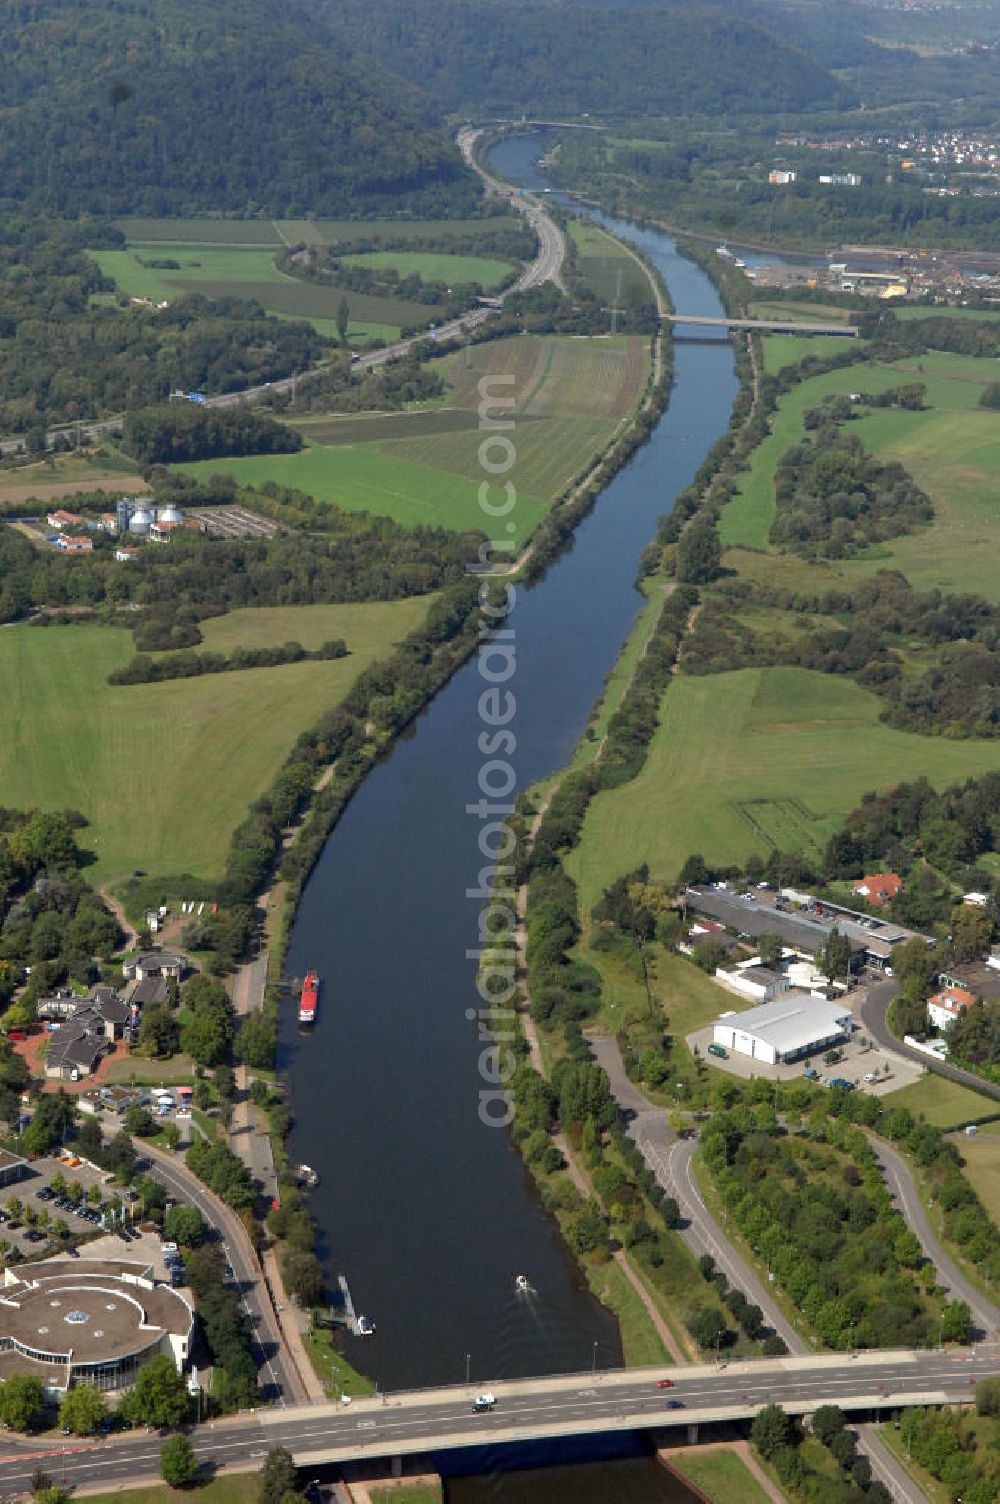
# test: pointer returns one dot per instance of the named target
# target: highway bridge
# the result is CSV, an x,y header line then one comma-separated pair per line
x,y
567,1405
766,326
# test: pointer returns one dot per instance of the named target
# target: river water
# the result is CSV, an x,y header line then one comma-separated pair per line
x,y
429,1212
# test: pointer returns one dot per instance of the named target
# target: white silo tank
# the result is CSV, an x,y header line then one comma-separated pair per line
x,y
169,513
141,521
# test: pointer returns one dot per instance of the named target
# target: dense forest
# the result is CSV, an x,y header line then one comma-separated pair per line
x,y
50,919
557,57
171,107
63,357
175,431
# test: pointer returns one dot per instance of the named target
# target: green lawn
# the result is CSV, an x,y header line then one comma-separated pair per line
x,y
952,449
946,1104
165,772
232,1488
641,1343
747,760
427,467
602,260
364,478
982,1166
407,1493
436,266
722,1475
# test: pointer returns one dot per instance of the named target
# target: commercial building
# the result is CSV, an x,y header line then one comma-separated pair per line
x,y
757,982
155,963
89,1321
789,1028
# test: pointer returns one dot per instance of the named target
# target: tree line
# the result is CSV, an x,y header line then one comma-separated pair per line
x,y
170,432
146,670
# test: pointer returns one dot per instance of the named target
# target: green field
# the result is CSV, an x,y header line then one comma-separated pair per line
x,y
601,260
753,759
952,449
224,270
436,266
570,395
165,772
267,232
232,1488
722,1475
982,1166
946,1104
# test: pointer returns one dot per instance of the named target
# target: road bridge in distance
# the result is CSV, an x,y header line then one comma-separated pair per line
x,y
765,326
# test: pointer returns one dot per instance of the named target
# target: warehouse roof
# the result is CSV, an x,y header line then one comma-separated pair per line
x,y
791,1022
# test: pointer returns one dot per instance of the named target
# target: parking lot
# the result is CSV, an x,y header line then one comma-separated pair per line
x,y
31,1207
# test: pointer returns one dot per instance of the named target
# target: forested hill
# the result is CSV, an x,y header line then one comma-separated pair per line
x,y
563,56
173,107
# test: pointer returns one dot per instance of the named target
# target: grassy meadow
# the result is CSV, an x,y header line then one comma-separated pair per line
x,y
165,772
752,759
982,1166
946,1104
951,449
720,1474
425,467
435,266
602,260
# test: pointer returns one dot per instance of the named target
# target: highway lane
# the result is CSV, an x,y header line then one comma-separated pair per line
x,y
873,1017
571,1404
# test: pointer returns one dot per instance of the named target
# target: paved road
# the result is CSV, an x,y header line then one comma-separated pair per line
x,y
902,1183
766,326
281,1383
873,1016
669,1158
544,268
573,1404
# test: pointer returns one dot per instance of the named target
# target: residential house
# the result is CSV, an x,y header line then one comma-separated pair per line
x,y
71,543
62,518
155,963
76,1049
123,555
147,992
947,1005
780,176
879,888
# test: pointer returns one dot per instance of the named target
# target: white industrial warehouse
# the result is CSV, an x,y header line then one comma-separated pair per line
x,y
790,1027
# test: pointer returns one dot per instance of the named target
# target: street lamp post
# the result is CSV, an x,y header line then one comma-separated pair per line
x,y
593,1361
468,1361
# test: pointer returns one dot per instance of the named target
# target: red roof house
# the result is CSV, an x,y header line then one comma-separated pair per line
x,y
879,888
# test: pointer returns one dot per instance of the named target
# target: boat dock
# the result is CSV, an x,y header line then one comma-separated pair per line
x,y
350,1316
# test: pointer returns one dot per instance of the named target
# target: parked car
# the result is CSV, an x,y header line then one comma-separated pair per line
x,y
719,1051
841,1084
832,1057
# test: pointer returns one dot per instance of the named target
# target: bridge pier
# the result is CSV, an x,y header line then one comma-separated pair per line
x,y
692,1434
397,1467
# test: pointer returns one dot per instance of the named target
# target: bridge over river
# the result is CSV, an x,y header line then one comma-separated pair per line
x,y
765,326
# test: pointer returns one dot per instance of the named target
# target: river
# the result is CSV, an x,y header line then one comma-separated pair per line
x,y
428,1211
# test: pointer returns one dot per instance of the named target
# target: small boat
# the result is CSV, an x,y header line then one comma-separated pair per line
x,y
307,1175
366,1327
309,998
521,1284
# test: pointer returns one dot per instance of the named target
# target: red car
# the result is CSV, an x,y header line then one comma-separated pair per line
x,y
664,1383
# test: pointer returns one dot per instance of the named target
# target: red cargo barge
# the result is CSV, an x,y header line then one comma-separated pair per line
x,y
309,998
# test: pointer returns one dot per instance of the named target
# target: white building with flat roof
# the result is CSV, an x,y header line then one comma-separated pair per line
x,y
789,1027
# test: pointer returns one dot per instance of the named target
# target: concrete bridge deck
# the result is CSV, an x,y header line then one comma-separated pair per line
x,y
765,326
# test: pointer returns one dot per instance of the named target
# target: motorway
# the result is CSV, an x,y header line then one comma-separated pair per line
x,y
873,1016
574,1404
545,267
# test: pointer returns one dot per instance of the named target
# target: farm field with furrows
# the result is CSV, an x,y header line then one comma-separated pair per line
x,y
425,467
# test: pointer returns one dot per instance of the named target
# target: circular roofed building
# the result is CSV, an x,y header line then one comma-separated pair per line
x,y
84,1321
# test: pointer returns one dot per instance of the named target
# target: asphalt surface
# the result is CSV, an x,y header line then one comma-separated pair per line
x,y
280,1382
873,1016
393,1425
901,1182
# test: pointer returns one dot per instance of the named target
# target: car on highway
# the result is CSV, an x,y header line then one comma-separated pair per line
x,y
664,1383
675,1404
484,1401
